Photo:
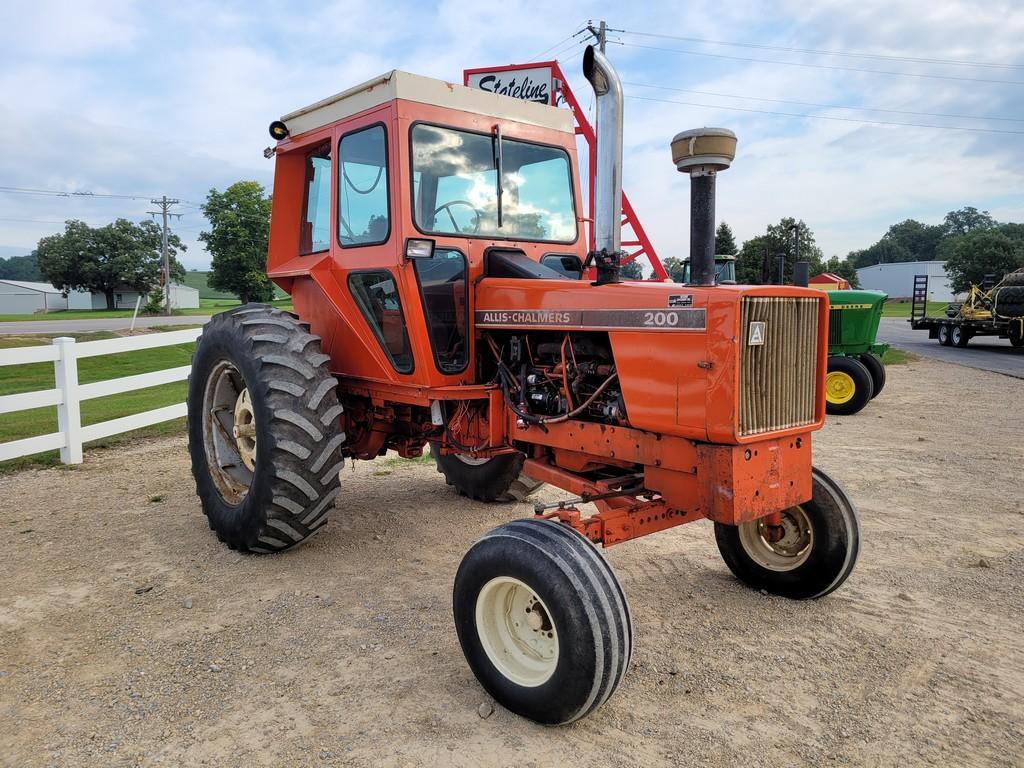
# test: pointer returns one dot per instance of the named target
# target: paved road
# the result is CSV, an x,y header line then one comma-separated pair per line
x,y
108,324
988,353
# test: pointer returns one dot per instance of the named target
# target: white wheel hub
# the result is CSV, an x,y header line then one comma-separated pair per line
x,y
789,550
516,632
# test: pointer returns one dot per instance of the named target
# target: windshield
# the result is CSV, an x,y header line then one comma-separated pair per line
x,y
455,187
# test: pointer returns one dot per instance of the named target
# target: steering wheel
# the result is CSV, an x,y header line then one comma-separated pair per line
x,y
477,214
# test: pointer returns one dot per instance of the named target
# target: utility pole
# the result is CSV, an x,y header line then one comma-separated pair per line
x,y
600,32
165,204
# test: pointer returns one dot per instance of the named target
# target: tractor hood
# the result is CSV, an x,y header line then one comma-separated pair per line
x,y
694,362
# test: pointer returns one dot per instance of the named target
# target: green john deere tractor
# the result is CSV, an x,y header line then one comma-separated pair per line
x,y
855,370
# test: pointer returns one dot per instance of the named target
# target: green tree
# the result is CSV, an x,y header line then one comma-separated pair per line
x,y
674,267
237,241
119,256
968,219
970,258
750,262
21,268
779,240
725,241
632,270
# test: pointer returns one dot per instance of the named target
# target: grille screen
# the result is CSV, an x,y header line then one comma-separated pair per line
x,y
835,327
777,378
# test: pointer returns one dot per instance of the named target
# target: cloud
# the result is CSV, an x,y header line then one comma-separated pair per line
x,y
175,99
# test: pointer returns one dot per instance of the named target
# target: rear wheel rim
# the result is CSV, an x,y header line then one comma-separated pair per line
x,y
839,387
229,432
516,631
786,553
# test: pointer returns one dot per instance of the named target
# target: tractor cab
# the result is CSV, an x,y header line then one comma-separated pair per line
x,y
401,193
725,269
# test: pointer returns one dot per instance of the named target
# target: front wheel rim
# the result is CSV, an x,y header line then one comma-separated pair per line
x,y
516,631
786,553
839,387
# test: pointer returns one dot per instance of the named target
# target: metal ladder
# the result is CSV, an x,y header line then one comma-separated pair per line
x,y
919,299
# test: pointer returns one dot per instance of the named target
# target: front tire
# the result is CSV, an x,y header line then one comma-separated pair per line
x,y
263,429
542,620
817,551
499,478
848,386
958,337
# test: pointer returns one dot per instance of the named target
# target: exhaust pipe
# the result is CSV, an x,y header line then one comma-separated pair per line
x,y
607,192
702,153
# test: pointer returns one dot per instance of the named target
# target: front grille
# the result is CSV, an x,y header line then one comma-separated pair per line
x,y
835,327
777,378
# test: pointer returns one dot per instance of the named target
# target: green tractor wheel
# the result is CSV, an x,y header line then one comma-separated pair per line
x,y
848,386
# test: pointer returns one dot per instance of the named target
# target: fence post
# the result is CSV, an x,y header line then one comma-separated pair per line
x,y
69,412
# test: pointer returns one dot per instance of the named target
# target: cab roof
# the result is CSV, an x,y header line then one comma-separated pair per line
x,y
424,90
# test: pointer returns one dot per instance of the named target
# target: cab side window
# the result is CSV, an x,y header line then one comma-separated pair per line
x,y
363,204
316,219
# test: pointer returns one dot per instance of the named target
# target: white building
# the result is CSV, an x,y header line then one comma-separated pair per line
x,y
897,279
20,297
182,297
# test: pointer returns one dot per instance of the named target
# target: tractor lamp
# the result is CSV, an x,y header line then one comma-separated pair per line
x,y
416,248
278,131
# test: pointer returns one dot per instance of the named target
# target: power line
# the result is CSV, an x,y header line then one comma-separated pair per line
x,y
827,106
559,43
61,193
830,117
819,52
824,66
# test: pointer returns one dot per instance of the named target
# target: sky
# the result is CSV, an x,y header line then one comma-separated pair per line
x,y
148,99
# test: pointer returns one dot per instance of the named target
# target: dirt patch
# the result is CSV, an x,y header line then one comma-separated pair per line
x,y
130,636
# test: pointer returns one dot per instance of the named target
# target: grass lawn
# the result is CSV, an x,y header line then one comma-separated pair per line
x,y
901,308
895,356
206,307
41,421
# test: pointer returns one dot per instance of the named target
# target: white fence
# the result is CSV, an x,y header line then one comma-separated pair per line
x,y
68,394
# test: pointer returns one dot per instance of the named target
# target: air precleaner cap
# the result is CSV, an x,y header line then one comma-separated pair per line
x,y
703,150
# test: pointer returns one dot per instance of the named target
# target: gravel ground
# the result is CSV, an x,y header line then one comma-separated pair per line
x,y
129,636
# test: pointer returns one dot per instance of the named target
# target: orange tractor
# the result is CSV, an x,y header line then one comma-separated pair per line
x,y
431,238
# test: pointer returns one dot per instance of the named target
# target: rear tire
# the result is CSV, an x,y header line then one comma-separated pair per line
x,y
848,386
499,478
816,554
877,370
958,337
944,336
542,621
263,429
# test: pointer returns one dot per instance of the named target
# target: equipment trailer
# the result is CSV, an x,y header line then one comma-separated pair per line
x,y
996,312
431,237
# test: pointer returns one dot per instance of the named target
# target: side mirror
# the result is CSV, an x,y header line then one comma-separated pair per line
x,y
417,248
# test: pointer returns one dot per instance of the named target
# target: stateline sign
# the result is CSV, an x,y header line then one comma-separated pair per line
x,y
526,82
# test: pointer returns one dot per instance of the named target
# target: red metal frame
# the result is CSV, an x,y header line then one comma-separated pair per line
x,y
640,244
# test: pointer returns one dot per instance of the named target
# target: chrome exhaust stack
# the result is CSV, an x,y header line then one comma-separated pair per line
x,y
607,192
702,153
